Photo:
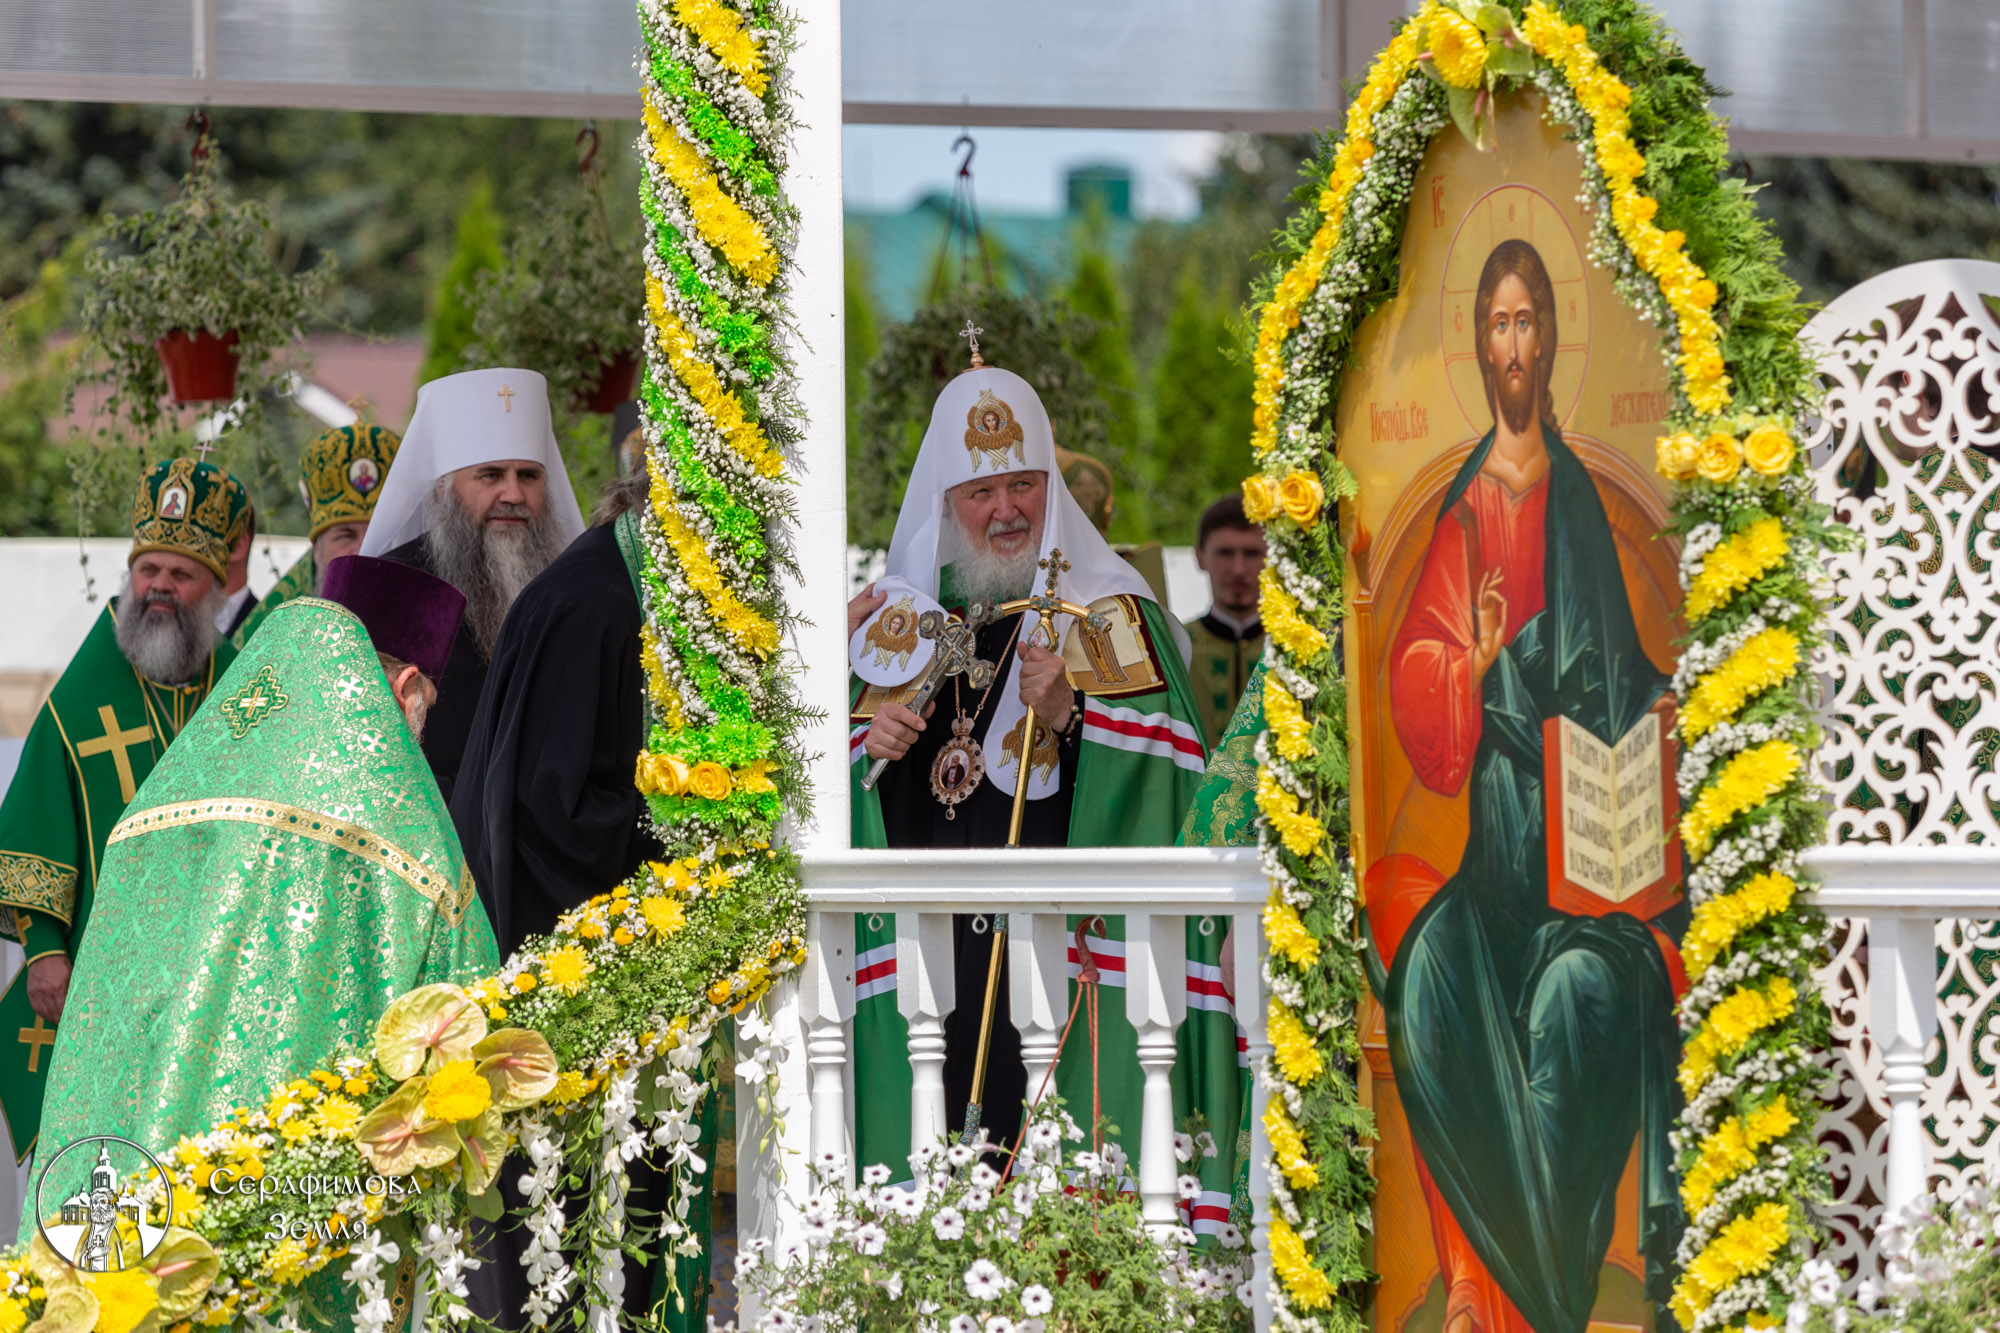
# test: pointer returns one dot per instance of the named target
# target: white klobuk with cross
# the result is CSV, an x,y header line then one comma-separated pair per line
x,y
1905,452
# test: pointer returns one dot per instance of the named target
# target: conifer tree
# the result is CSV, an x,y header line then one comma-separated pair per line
x,y
1095,293
1198,448
449,331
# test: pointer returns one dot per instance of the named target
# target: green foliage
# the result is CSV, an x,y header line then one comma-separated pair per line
x,y
450,331
203,262
862,342
1036,340
568,298
36,494
1198,445
1106,350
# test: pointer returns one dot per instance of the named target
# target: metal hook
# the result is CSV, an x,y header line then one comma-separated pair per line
x,y
197,124
589,131
966,142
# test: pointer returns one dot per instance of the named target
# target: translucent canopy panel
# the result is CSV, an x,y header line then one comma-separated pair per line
x,y
1261,55
1902,78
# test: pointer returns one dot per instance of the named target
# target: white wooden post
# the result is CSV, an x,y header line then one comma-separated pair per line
x,y
926,991
1246,941
826,1002
1155,1000
1902,1011
1038,991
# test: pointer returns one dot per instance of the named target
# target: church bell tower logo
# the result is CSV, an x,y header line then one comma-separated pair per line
x,y
91,1213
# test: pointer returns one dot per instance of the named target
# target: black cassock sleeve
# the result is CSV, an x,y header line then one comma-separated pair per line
x,y
545,803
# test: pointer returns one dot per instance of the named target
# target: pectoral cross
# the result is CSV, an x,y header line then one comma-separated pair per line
x,y
117,743
34,1038
506,397
957,653
205,448
971,334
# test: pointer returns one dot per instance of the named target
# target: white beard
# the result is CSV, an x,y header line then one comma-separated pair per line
x,y
977,570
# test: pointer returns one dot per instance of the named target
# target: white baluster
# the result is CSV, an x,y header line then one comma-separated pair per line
x,y
1247,943
926,991
1038,991
826,1002
1902,1009
1155,999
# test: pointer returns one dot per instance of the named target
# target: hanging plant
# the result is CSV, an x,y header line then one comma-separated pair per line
x,y
1034,339
568,303
189,304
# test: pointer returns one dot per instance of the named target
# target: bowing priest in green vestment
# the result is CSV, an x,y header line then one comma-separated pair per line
x,y
143,670
287,871
340,477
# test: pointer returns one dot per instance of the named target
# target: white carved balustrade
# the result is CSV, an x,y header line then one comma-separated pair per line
x,y
1904,450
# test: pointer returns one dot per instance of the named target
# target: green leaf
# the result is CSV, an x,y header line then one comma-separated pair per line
x,y
1460,100
1492,20
1512,59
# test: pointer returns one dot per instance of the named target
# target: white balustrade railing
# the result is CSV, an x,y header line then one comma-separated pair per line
x,y
1153,889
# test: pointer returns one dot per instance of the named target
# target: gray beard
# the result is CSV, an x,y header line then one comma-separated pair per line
x,y
980,571
168,651
490,565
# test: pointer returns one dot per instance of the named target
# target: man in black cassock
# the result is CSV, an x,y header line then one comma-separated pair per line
x,y
549,817
480,499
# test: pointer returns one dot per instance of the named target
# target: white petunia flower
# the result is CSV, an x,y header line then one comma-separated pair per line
x,y
976,1200
964,1323
1231,1238
999,1323
877,1174
1037,1299
1188,1187
1183,1147
948,1224
984,1281
893,1285
1247,1293
984,1177
960,1154
869,1239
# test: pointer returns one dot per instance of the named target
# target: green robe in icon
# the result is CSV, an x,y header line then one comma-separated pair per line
x,y
90,749
288,870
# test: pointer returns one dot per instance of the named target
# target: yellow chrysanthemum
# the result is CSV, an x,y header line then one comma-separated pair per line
x,y
1297,829
1287,932
1457,48
1718,921
12,1317
287,1262
124,1298
1310,1289
721,30
1297,1053
1288,1145
1287,721
1282,620
1731,1150
1743,1248
570,1086
296,1130
1750,778
1730,1025
457,1092
664,915
1734,565
566,968
719,218
1768,658
752,632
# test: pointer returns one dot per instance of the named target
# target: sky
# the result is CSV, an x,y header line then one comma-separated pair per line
x,y
887,168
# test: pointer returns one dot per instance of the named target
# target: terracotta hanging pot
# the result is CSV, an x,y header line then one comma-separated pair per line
x,y
615,378
201,368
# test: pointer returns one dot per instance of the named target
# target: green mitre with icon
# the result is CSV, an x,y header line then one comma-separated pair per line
x,y
189,508
341,474
340,478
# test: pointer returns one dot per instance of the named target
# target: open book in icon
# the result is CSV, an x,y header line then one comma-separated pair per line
x,y
1612,811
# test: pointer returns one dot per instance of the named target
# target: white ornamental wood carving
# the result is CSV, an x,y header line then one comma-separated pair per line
x,y
1907,451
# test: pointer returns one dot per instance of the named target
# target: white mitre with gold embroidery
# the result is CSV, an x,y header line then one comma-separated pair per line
x,y
461,421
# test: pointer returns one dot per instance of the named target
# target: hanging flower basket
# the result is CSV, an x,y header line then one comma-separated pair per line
x,y
613,385
201,368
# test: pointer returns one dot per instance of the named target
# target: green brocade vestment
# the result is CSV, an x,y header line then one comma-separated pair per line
x,y
91,747
286,872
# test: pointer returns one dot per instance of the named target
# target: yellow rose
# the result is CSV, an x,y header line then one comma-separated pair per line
x,y
1719,458
1262,498
708,780
1675,456
1301,497
1768,449
671,773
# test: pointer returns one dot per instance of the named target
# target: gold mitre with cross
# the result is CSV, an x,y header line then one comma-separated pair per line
x,y
341,474
190,508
